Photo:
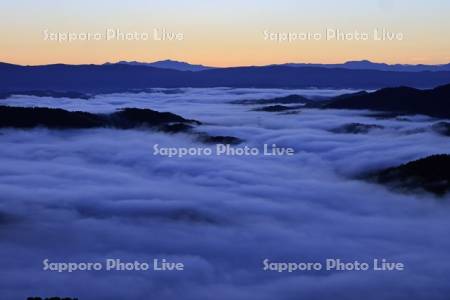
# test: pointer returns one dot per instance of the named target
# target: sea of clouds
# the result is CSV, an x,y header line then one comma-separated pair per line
x,y
88,195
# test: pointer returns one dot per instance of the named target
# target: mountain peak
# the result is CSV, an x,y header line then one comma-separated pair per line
x,y
168,64
370,65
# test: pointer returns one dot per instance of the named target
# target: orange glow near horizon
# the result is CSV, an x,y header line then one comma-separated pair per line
x,y
226,34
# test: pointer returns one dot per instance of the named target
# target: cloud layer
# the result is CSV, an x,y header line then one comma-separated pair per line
x,y
87,195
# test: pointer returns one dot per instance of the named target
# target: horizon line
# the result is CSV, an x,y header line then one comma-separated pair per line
x,y
222,67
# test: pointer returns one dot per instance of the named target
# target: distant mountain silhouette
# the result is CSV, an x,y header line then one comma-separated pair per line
x,y
51,298
368,65
123,77
352,65
168,64
405,100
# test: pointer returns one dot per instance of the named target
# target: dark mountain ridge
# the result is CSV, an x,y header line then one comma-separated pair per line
x,y
122,77
55,118
168,64
431,174
369,65
127,118
403,100
352,65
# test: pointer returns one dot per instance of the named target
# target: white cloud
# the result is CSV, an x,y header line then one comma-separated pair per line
x,y
92,194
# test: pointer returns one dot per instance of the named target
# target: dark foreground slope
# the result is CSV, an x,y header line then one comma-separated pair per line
x,y
128,118
26,117
403,100
431,174
122,77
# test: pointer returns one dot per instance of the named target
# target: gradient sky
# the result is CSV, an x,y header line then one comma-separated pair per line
x,y
225,33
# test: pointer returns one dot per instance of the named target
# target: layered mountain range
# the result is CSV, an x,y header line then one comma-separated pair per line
x,y
351,65
120,77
